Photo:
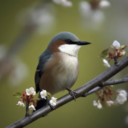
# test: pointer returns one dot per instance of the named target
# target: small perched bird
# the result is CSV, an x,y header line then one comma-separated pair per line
x,y
58,66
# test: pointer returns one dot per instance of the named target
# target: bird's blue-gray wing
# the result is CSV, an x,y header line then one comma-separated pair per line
x,y
38,75
40,68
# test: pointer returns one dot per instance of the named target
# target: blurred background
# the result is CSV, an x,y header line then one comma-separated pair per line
x,y
26,28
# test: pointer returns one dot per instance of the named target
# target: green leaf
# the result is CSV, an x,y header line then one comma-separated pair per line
x,y
104,53
17,94
123,46
48,96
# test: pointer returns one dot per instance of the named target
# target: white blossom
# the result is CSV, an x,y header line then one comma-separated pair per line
x,y
123,92
20,103
43,94
30,91
121,97
110,102
43,18
85,7
65,3
94,103
31,107
123,52
19,73
106,64
116,44
53,101
97,103
92,18
104,4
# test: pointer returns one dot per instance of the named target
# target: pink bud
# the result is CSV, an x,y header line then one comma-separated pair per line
x,y
111,55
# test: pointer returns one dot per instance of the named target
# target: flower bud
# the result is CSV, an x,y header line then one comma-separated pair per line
x,y
111,54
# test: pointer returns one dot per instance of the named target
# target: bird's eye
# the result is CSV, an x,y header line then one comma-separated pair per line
x,y
69,42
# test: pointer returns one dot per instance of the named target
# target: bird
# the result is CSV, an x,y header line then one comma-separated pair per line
x,y
58,65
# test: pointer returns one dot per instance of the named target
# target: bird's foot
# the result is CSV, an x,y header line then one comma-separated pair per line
x,y
27,114
72,93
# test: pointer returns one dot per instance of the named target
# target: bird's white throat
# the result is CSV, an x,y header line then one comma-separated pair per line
x,y
70,49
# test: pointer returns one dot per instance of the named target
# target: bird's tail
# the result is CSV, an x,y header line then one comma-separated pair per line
x,y
41,103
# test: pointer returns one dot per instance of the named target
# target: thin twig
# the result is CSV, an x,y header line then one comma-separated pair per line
x,y
124,80
93,90
126,76
107,83
27,109
80,92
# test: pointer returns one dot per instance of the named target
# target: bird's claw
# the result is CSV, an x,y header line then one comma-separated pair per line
x,y
72,93
27,114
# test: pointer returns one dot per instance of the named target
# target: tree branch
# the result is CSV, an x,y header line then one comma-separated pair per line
x,y
124,80
20,41
126,76
107,83
25,33
86,89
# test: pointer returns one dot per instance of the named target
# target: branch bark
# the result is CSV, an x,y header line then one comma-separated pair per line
x,y
107,83
84,90
124,80
25,33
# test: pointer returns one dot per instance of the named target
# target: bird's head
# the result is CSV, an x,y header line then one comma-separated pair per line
x,y
66,42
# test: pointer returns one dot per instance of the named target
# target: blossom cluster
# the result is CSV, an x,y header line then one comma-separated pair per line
x,y
117,52
94,3
92,13
28,97
53,100
105,97
65,3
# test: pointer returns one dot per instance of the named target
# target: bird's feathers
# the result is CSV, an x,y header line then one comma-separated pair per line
x,y
64,36
58,66
38,75
40,68
61,71
70,49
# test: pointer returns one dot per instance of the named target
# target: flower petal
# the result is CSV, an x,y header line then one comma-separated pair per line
x,y
106,64
104,3
31,107
95,103
116,44
43,94
121,97
53,101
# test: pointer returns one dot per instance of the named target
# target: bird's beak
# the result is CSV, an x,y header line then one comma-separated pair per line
x,y
83,43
